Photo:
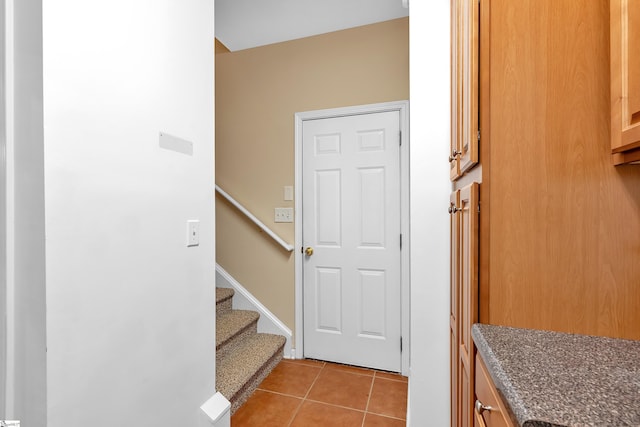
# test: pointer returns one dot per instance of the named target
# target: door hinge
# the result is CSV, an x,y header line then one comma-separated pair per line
x,y
400,139
478,135
400,344
400,241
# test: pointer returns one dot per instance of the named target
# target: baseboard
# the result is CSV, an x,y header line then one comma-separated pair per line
x,y
244,300
216,412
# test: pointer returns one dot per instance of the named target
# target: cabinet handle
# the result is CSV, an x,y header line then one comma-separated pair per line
x,y
453,208
454,154
480,408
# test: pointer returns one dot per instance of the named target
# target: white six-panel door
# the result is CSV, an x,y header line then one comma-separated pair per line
x,y
351,234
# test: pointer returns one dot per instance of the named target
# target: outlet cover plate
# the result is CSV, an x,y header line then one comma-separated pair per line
x,y
283,215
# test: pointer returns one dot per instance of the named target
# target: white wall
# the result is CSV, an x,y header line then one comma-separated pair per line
x,y
430,187
3,216
130,309
24,393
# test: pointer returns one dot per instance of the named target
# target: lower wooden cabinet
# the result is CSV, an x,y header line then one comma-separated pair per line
x,y
488,410
464,301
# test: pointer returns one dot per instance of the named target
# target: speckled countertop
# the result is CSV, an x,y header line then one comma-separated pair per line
x,y
551,379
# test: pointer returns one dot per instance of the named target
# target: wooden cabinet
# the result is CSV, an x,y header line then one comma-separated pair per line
x,y
625,80
557,219
489,410
454,202
464,86
464,300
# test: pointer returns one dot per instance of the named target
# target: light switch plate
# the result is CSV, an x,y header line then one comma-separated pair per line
x,y
193,233
283,215
288,193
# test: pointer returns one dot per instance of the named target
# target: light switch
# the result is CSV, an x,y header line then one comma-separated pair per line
x,y
193,233
288,193
283,215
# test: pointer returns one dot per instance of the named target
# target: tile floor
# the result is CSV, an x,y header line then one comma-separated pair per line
x,y
307,393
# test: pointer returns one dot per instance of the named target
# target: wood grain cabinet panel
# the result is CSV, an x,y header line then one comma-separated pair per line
x,y
625,80
559,220
464,86
464,294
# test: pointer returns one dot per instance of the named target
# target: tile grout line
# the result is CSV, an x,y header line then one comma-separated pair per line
x,y
295,413
302,399
336,406
306,394
366,408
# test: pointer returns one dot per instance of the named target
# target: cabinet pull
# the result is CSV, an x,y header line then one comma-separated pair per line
x,y
454,154
453,208
480,408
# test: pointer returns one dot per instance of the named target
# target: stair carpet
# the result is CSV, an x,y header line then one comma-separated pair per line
x,y
244,357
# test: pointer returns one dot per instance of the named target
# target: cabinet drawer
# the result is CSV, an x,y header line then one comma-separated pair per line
x,y
487,396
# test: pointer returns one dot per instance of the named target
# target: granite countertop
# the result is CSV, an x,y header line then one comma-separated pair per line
x,y
551,379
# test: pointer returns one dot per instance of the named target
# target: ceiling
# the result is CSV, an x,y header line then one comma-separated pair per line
x,y
243,24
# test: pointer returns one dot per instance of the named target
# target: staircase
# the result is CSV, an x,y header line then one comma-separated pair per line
x,y
243,356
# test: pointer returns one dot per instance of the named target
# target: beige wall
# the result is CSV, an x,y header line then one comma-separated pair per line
x,y
220,48
258,91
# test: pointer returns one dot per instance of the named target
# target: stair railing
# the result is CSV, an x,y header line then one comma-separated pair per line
x,y
255,220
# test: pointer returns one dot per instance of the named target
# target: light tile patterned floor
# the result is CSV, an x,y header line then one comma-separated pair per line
x,y
307,393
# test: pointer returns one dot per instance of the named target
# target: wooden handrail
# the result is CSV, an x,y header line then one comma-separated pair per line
x,y
255,220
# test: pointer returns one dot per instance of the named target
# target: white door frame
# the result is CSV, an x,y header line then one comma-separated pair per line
x,y
403,108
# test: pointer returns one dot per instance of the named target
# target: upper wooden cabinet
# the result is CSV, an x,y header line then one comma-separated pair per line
x,y
625,80
464,86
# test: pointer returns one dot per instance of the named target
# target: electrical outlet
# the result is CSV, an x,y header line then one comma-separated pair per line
x,y
193,233
283,215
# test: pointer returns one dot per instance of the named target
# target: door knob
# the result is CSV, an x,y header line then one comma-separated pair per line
x,y
308,251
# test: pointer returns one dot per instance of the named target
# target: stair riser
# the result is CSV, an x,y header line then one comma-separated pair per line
x,y
227,347
245,392
224,306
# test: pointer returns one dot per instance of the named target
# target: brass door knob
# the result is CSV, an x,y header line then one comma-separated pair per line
x,y
308,251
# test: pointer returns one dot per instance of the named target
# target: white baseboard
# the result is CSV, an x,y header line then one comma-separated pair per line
x,y
216,412
244,300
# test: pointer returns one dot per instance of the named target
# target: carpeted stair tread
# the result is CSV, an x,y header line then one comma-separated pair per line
x,y
233,323
224,300
223,294
239,373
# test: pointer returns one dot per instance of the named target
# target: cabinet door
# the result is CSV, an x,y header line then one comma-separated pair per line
x,y
456,90
454,202
487,397
468,297
464,301
464,86
625,80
